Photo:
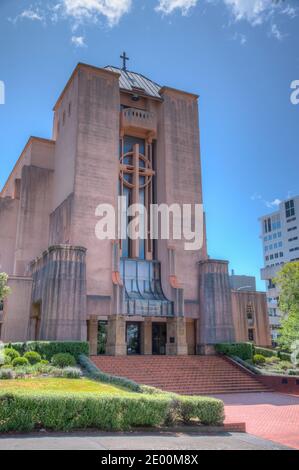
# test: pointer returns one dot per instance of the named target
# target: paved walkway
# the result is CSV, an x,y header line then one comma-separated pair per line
x,y
273,416
136,441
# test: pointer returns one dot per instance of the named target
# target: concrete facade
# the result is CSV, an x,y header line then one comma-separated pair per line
x,y
110,124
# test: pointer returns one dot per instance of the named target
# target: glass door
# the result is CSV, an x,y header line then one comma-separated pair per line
x,y
133,338
159,338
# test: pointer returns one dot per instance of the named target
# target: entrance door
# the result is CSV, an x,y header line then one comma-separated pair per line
x,y
102,337
159,338
133,338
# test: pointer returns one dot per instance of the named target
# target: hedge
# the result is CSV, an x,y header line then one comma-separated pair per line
x,y
64,412
206,410
47,349
242,350
266,352
97,374
284,356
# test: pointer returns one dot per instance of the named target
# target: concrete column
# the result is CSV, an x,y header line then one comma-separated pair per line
x,y
147,336
216,319
176,337
93,335
59,285
116,336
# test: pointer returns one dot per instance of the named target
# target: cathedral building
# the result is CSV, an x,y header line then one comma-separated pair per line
x,y
115,133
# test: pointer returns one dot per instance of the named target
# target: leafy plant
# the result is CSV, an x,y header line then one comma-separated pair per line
x,y
272,360
11,353
33,357
259,359
47,349
242,350
72,373
284,365
6,374
20,361
4,289
288,282
63,360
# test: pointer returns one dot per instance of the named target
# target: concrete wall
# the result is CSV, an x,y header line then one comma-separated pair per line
x,y
179,179
33,218
65,132
240,302
97,171
61,222
17,310
8,227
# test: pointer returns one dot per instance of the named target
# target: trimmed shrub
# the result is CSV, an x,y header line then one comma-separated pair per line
x,y
265,351
11,353
63,412
208,411
293,372
47,349
33,357
6,374
242,350
97,374
72,373
259,359
63,360
20,361
44,362
284,356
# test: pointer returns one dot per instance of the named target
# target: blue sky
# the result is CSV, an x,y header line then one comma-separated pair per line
x,y
240,56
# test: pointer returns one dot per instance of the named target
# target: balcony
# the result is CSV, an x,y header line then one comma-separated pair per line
x,y
132,119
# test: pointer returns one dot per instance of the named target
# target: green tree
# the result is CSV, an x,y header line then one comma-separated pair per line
x,y
288,282
4,289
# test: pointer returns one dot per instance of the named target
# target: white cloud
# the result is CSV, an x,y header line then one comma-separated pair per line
x,y
275,32
253,11
270,204
241,38
78,41
168,6
30,14
81,10
289,11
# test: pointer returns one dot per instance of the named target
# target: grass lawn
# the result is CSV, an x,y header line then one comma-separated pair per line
x,y
58,385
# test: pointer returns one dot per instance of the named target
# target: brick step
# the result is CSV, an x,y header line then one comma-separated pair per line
x,y
190,375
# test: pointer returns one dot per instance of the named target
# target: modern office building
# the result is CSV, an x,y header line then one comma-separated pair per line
x,y
241,282
280,238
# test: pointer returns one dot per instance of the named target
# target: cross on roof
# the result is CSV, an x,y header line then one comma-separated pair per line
x,y
124,58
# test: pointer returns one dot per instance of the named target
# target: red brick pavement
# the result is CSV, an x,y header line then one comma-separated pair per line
x,y
273,416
